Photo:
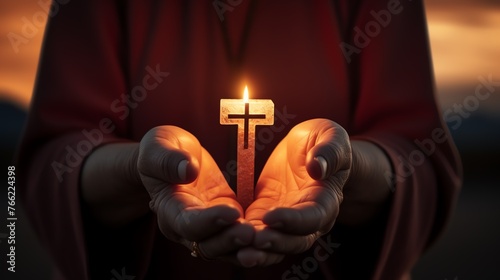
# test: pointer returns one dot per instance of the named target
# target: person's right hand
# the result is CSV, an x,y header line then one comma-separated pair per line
x,y
190,196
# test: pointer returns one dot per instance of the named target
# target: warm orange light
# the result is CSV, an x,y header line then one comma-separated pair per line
x,y
245,94
247,114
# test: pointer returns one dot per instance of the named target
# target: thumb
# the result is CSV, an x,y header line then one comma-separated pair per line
x,y
331,152
169,154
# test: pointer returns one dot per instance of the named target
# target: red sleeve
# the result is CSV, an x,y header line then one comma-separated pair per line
x,y
395,108
79,78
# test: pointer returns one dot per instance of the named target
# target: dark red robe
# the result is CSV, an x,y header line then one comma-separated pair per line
x,y
307,56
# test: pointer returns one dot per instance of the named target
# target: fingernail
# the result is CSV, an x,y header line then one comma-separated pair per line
x,y
182,170
222,222
266,245
323,164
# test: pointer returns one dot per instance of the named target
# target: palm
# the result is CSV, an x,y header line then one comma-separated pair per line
x,y
282,185
207,190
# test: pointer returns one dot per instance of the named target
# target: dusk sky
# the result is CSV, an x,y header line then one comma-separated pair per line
x,y
465,41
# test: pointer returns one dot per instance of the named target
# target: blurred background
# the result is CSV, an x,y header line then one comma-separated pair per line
x,y
465,43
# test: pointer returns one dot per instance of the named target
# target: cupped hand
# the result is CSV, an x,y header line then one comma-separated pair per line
x,y
190,196
299,192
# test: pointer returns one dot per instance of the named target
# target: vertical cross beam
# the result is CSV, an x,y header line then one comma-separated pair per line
x,y
247,115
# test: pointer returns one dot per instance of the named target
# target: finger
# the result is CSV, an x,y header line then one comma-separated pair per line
x,y
251,257
170,154
227,242
274,241
330,153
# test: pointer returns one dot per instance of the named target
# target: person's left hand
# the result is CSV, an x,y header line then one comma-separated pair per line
x,y
299,192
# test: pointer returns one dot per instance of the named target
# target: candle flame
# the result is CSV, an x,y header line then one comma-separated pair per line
x,y
245,94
